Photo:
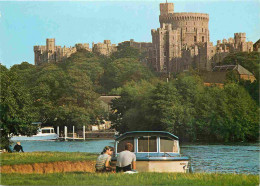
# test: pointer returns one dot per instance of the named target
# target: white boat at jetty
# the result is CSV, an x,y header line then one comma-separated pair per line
x,y
156,151
45,133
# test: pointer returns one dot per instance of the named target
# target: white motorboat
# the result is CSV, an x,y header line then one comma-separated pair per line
x,y
156,151
45,133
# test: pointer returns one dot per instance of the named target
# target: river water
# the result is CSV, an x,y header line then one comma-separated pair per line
x,y
238,158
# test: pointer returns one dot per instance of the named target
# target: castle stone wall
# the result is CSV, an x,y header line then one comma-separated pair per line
x,y
52,53
183,42
105,48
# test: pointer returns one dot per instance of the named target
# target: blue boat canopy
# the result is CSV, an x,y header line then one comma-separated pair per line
x,y
141,133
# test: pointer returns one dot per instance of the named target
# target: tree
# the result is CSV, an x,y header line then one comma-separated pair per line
x,y
124,50
122,71
250,61
17,112
129,110
188,109
65,96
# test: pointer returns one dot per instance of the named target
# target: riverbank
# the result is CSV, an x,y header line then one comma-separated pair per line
x,y
44,157
127,179
77,168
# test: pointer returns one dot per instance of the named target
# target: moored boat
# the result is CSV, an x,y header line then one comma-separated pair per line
x,y
156,151
45,133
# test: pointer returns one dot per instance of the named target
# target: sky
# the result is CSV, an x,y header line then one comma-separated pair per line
x,y
24,24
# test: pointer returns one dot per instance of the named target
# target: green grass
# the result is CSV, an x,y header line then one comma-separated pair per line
x,y
41,157
126,179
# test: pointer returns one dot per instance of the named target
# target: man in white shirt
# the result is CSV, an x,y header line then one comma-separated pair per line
x,y
126,160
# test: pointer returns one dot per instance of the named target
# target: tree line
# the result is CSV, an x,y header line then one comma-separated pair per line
x,y
66,94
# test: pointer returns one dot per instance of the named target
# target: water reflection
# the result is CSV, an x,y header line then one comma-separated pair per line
x,y
234,158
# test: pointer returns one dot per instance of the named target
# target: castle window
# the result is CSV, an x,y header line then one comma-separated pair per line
x,y
194,23
194,29
195,39
186,23
202,38
186,29
202,29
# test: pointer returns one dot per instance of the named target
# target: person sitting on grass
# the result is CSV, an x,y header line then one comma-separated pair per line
x,y
126,160
18,147
103,160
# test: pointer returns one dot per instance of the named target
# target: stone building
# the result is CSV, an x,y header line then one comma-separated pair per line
x,y
52,53
183,42
105,48
218,76
232,45
143,46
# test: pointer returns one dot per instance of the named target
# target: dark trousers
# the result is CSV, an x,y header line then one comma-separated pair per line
x,y
105,170
124,169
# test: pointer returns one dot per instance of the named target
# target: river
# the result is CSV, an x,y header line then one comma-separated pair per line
x,y
234,158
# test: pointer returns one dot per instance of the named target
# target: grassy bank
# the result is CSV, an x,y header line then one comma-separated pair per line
x,y
126,179
44,157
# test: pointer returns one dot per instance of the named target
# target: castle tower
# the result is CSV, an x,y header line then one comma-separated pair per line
x,y
175,43
166,8
194,26
240,38
50,44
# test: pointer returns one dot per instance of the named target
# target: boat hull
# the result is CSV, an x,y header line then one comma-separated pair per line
x,y
180,166
35,137
162,166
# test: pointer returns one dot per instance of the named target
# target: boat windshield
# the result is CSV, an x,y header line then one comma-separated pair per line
x,y
147,144
44,131
122,143
168,145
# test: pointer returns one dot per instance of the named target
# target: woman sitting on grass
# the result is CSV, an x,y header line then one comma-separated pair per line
x,y
103,160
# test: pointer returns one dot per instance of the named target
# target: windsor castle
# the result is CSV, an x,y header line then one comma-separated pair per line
x,y
182,42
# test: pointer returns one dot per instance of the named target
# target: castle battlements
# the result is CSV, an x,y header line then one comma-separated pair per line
x,y
51,53
183,41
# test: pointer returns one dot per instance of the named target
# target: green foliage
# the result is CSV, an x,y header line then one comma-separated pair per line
x,y
125,51
65,95
130,110
16,103
250,61
190,110
122,71
196,179
252,88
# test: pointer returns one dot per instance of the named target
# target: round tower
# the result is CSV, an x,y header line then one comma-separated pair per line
x,y
193,27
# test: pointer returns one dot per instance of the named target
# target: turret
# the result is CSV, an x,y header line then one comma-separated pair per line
x,y
50,44
166,8
240,37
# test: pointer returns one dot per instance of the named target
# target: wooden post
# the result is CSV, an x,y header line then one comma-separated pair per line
x,y
84,137
66,134
58,131
73,132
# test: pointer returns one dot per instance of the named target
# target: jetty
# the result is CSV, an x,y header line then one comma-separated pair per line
x,y
82,135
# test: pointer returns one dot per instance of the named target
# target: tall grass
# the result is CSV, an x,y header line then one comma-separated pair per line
x,y
127,179
41,157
